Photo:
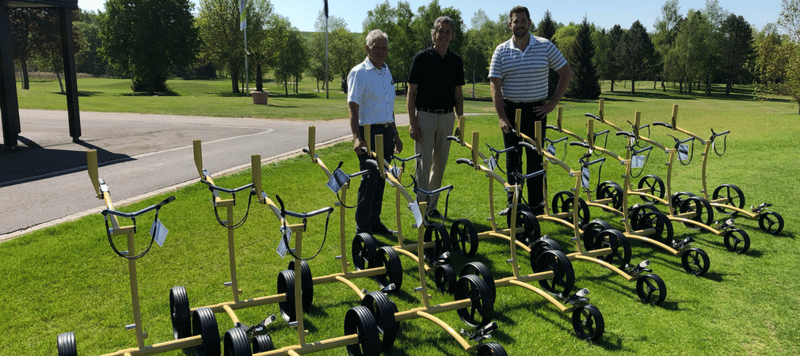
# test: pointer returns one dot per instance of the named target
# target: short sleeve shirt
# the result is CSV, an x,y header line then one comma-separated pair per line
x,y
436,78
373,90
525,73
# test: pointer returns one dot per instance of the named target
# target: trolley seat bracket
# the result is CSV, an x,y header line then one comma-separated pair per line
x,y
641,267
481,334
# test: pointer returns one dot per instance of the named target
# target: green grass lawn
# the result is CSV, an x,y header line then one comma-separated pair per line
x,y
66,278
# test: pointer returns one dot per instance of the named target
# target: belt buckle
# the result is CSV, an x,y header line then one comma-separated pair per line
x,y
438,111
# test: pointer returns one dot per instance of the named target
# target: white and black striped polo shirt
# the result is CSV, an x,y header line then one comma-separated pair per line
x,y
524,74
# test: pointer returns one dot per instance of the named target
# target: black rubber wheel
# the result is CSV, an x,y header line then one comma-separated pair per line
x,y
359,320
771,222
636,212
592,230
527,220
464,237
491,349
651,289
610,189
737,240
363,250
481,311
387,257
383,309
262,343
620,247
286,286
660,223
179,312
65,342
445,278
235,343
733,195
479,269
306,283
204,323
695,261
678,198
541,245
564,275
588,322
437,233
562,203
656,186
702,210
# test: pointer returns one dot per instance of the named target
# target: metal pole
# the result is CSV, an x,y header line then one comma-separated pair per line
x,y
246,72
327,86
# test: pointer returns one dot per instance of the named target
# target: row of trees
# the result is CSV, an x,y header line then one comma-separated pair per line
x,y
150,40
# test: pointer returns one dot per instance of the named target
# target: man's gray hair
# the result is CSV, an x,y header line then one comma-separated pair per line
x,y
438,24
374,35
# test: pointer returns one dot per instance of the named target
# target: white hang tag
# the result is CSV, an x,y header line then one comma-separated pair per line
x,y
395,171
414,207
551,150
585,177
282,248
637,161
683,152
491,163
631,142
338,180
159,232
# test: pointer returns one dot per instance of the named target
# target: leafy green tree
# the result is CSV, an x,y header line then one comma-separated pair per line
x,y
423,23
688,60
790,19
88,60
613,69
345,51
586,82
292,60
26,23
735,50
547,29
636,54
664,38
223,41
396,23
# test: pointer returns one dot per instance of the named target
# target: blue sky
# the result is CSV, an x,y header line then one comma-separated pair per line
x,y
603,13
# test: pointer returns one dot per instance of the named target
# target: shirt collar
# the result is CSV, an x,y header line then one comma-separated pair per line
x,y
531,42
368,64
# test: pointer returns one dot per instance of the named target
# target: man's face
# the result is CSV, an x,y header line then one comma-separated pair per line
x,y
443,35
378,51
519,24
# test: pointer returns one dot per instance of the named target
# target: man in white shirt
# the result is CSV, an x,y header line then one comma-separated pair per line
x,y
518,76
370,97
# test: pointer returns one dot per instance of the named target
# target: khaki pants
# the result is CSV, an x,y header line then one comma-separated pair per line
x,y
434,148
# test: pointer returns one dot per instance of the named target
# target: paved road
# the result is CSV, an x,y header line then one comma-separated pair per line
x,y
44,182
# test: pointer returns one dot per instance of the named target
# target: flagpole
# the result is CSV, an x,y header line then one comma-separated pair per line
x,y
327,89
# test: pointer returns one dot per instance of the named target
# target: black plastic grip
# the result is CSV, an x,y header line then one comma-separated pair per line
x,y
308,215
433,192
626,133
601,159
140,212
659,123
528,145
464,161
648,148
593,116
579,143
407,159
453,138
528,176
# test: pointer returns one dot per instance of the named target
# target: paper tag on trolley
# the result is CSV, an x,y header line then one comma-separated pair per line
x,y
637,161
551,149
585,177
683,152
338,180
282,247
159,232
491,163
414,207
395,171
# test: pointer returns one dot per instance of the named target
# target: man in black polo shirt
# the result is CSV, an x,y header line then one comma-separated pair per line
x,y
434,90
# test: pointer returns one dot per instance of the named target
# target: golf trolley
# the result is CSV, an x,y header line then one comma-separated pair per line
x,y
652,227
360,325
201,330
474,296
598,244
552,268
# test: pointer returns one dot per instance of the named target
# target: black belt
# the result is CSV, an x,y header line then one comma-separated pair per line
x,y
436,111
382,125
523,104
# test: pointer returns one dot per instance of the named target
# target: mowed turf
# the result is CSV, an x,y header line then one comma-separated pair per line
x,y
66,278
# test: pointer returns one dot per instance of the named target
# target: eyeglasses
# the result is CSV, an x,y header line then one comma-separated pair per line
x,y
385,48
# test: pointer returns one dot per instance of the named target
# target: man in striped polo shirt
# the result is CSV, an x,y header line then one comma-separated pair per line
x,y
518,75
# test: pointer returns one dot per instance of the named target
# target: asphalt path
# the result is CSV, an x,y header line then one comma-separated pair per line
x,y
43,182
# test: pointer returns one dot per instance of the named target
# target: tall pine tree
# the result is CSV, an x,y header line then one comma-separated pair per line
x,y
586,82
612,67
547,29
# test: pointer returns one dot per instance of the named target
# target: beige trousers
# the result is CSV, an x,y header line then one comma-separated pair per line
x,y
434,148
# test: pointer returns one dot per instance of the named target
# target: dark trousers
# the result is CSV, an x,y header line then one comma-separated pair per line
x,y
370,192
533,161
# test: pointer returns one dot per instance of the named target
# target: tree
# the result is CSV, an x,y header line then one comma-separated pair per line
x,y
735,49
396,23
612,68
26,23
777,60
689,59
664,38
291,61
547,29
147,38
586,83
88,60
635,53
345,51
223,41
790,19
475,56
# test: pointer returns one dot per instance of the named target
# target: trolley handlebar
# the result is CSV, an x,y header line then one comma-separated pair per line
x,y
224,190
648,148
715,134
626,133
285,212
556,141
593,116
407,159
466,161
659,123
527,144
512,148
528,176
601,159
453,138
140,212
552,127
579,143
435,191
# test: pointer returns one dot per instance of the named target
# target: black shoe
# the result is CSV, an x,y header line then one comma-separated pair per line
x,y
504,212
435,214
381,229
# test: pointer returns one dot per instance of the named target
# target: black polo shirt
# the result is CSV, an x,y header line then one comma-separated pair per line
x,y
436,78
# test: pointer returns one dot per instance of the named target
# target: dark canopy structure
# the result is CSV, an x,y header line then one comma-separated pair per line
x,y
9,106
